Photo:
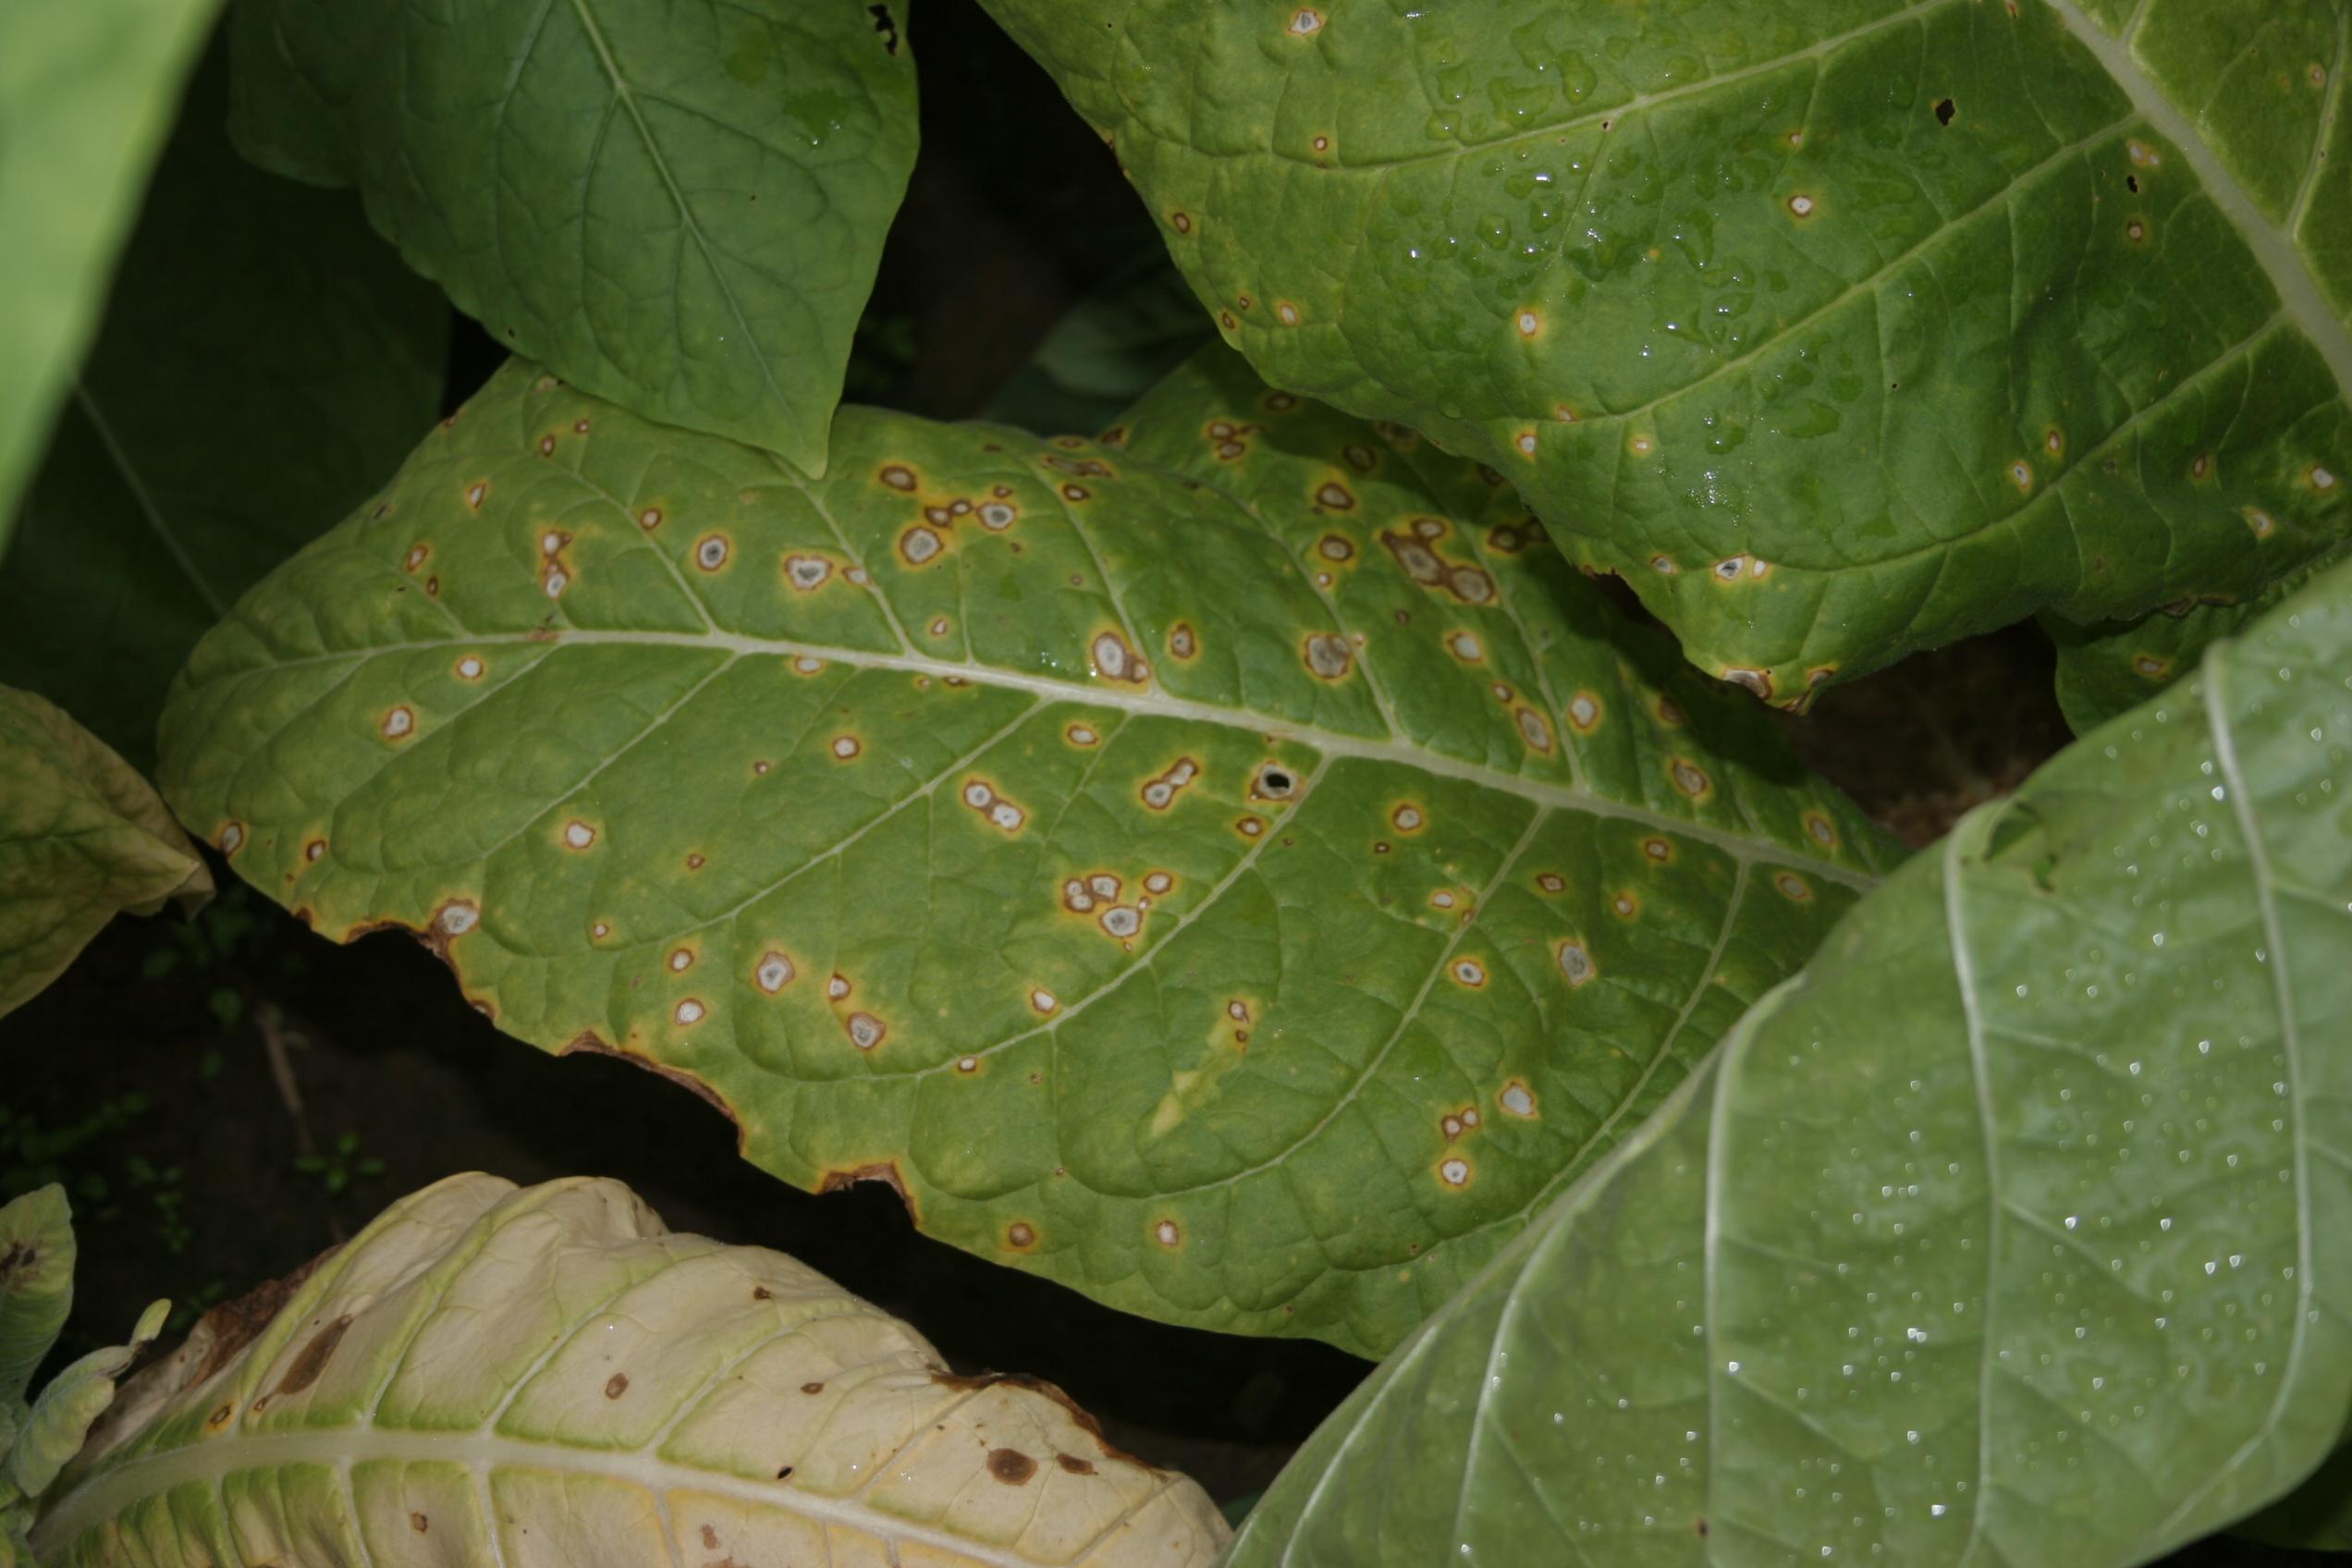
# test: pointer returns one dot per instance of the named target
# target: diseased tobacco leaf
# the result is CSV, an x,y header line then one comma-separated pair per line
x,y
2019,1229
1838,328
1238,870
264,363
678,204
2108,669
86,94
37,1253
82,838
546,1377
38,1435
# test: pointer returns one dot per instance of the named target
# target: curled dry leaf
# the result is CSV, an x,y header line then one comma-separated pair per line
x,y
545,1377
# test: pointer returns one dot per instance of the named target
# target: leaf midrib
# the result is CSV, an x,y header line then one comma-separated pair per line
x,y
2216,672
479,1453
151,513
1964,975
1155,703
2273,249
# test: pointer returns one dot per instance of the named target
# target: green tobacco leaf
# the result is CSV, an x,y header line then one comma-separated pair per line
x,y
72,1402
36,1294
2017,1229
81,837
678,206
2108,669
1838,328
264,363
86,94
36,1288
1239,875
545,1377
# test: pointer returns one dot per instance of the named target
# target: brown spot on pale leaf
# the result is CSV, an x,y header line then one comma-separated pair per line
x,y
312,1363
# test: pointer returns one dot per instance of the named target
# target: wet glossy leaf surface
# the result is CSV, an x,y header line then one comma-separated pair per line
x,y
1838,329
545,1376
82,838
2016,1229
1240,872
678,206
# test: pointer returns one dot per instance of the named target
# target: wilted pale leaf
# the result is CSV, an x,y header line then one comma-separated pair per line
x,y
1238,870
61,1417
545,1377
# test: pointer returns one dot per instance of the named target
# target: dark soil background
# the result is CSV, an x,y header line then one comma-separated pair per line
x,y
228,1098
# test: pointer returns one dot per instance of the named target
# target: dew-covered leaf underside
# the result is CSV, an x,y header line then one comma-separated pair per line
x,y
548,1377
1839,329
2018,1229
678,205
1237,868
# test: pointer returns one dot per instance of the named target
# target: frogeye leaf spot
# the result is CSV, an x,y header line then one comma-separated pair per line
x,y
1034,868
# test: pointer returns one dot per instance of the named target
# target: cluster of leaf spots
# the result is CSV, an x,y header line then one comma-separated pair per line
x,y
546,1375
1135,880
1838,330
